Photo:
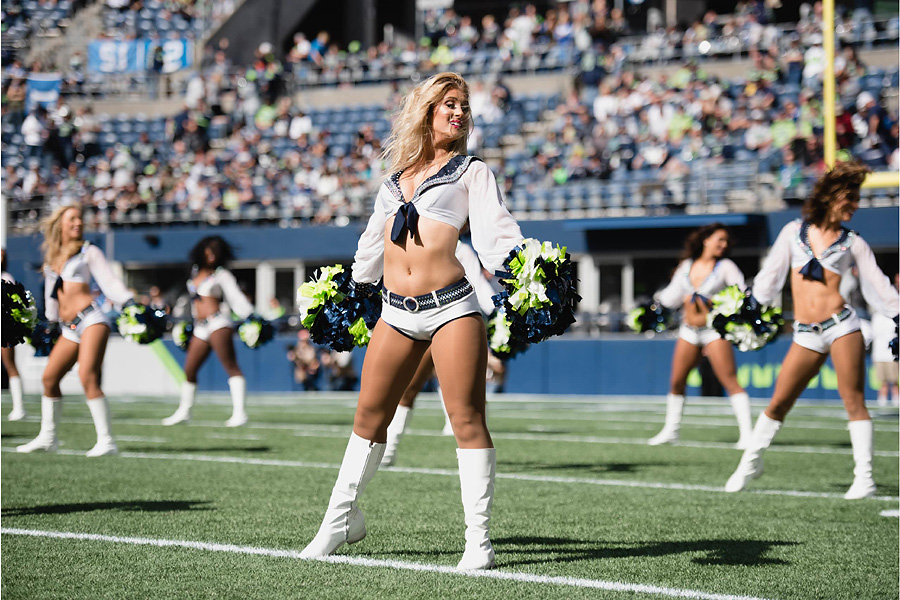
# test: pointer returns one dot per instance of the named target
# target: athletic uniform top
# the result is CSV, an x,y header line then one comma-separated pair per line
x,y
724,274
792,250
222,286
88,263
464,189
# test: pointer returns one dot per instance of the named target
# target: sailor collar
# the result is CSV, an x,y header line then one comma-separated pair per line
x,y
449,173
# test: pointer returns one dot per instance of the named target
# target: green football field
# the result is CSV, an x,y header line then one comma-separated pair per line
x,y
583,507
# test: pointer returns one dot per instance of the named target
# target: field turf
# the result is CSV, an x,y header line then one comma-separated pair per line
x,y
583,507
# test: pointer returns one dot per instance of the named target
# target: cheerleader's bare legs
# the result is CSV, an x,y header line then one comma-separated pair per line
x,y
89,355
8,356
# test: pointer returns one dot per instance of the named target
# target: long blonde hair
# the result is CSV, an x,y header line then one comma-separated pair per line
x,y
412,135
52,247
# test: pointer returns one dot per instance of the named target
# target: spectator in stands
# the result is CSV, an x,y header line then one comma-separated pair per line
x,y
341,372
304,357
34,132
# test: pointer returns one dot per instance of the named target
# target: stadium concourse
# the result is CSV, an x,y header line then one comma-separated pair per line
x,y
612,128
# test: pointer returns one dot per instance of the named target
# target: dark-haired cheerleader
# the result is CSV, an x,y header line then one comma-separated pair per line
x,y
214,295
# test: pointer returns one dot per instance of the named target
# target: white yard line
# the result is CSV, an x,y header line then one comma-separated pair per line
x,y
614,586
241,460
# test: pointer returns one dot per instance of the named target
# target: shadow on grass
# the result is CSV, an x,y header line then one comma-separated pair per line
x,y
196,450
128,506
592,467
746,553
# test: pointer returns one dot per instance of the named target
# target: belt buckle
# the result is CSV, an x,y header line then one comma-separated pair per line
x,y
816,328
406,306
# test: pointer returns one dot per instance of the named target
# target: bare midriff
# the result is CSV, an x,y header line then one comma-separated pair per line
x,y
205,306
815,301
73,298
695,312
423,263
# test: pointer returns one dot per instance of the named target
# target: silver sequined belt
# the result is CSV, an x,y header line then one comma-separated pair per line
x,y
414,304
827,324
73,324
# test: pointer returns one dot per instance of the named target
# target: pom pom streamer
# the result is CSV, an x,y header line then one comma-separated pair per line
x,y
141,324
650,316
339,312
256,331
894,344
44,337
19,314
538,295
739,318
500,340
182,333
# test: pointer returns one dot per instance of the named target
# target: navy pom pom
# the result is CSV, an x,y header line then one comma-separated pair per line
x,y
141,324
19,314
256,331
340,313
649,316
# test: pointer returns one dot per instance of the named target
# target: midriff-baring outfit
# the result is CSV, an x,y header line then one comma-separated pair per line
x,y
463,190
89,263
792,250
725,273
222,286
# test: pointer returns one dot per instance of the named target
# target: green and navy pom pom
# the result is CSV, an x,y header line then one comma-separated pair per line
x,y
182,333
539,295
894,344
141,324
256,331
44,337
338,312
739,318
19,314
650,316
500,340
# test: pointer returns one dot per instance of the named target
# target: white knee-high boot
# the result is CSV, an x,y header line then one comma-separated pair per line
x,y
15,390
448,426
861,438
672,427
394,433
238,387
740,404
751,465
477,469
344,522
46,440
105,445
183,413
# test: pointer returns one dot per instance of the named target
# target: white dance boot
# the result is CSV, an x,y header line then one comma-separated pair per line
x,y
861,440
105,445
751,465
477,469
394,433
15,390
46,441
448,427
183,413
672,427
740,404
238,387
344,522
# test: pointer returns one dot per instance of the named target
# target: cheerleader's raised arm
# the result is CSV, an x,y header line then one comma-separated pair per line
x,y
494,230
875,285
769,282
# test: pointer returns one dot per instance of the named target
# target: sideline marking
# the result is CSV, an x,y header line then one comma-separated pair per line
x,y
890,513
271,462
614,586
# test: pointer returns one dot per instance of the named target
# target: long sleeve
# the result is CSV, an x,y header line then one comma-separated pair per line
x,y
483,290
111,286
875,285
235,298
769,282
51,304
368,262
672,296
494,231
731,274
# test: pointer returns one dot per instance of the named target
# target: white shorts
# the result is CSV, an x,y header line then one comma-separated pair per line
x,y
73,332
421,325
821,341
698,336
203,328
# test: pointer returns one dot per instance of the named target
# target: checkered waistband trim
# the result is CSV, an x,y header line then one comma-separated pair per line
x,y
827,324
413,304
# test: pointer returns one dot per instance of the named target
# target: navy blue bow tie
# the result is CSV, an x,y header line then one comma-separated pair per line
x,y
813,270
695,297
406,219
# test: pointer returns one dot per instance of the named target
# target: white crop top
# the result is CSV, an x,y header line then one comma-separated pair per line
x,y
464,189
483,288
793,251
724,274
89,263
222,286
7,277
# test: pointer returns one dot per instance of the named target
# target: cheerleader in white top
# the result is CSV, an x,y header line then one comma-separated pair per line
x,y
816,252
435,188
214,296
70,264
8,356
483,291
703,272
